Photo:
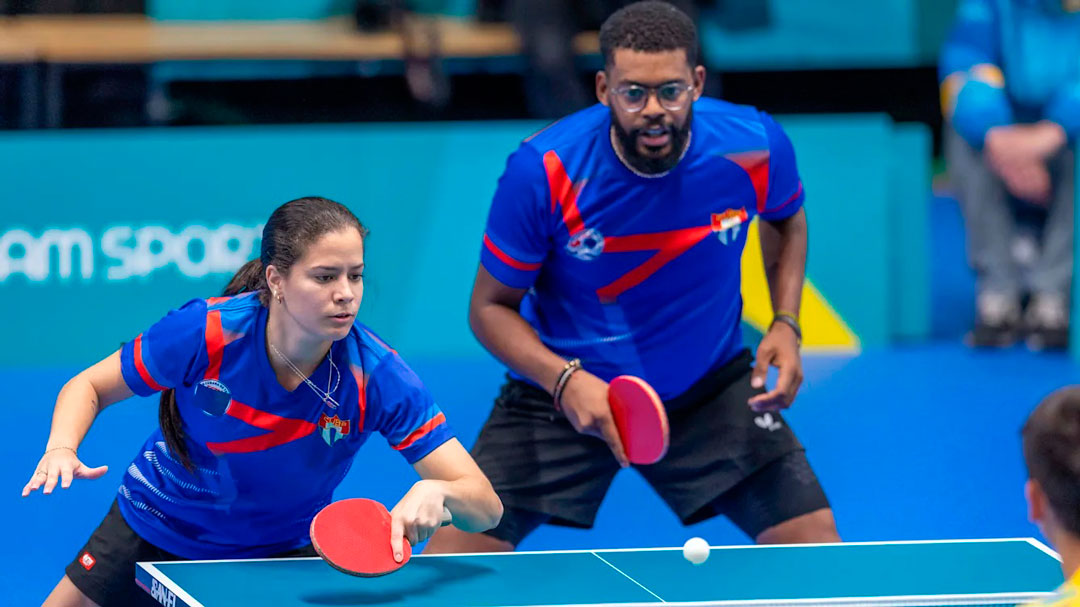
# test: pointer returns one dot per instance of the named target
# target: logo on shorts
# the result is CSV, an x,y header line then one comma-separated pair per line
x,y
333,428
767,422
87,561
728,224
586,245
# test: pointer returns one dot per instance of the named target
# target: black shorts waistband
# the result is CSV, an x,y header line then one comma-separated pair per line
x,y
711,383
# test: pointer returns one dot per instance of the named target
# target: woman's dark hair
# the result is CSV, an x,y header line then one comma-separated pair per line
x,y
291,229
650,26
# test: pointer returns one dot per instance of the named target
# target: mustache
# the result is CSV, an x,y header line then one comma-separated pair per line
x,y
669,127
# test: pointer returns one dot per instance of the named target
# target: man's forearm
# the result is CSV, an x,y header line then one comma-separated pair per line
x,y
513,341
783,249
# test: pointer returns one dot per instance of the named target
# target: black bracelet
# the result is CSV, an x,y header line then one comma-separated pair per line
x,y
564,378
790,321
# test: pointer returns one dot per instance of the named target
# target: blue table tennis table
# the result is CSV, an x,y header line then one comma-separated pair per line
x,y
878,574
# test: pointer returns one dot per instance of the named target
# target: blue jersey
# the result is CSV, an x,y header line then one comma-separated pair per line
x,y
266,459
638,275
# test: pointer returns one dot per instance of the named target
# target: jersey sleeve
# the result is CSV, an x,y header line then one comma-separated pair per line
x,y
406,413
516,237
973,95
1064,108
785,193
169,353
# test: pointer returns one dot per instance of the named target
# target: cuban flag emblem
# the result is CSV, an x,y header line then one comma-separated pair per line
x,y
728,224
333,428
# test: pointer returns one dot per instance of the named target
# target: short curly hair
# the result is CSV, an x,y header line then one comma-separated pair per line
x,y
650,26
1051,444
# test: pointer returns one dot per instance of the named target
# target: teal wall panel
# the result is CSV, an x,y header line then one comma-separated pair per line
x,y
909,233
103,231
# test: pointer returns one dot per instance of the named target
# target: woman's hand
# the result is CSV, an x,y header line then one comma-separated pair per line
x,y
418,515
60,464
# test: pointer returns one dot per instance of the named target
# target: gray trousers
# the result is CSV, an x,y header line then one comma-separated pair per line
x,y
993,220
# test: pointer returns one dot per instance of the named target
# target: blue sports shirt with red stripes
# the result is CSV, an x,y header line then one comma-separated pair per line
x,y
266,460
639,275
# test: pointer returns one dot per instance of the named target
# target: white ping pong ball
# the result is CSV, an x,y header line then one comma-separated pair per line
x,y
696,550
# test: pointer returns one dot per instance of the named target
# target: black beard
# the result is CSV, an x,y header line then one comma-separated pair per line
x,y
650,165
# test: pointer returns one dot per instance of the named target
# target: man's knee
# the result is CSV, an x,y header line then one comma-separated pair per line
x,y
818,527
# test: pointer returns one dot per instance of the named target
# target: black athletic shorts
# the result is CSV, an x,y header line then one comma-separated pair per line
x,y
723,459
104,569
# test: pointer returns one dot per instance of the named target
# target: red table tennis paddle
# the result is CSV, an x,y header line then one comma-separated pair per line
x,y
640,418
353,536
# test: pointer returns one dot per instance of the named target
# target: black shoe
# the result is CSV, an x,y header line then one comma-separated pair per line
x,y
1047,322
997,322
997,335
1042,338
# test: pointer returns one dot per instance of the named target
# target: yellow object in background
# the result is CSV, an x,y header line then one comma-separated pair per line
x,y
823,329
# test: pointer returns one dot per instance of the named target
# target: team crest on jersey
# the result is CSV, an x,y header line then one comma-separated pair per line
x,y
728,224
212,396
333,428
586,245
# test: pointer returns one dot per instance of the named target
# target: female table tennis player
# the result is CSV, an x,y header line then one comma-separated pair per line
x,y
266,395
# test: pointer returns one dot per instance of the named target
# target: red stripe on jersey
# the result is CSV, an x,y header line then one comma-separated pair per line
x,y
756,165
215,343
282,430
140,366
361,386
510,261
421,432
213,301
668,246
564,192
793,198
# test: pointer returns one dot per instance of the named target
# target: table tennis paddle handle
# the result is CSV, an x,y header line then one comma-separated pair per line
x,y
447,518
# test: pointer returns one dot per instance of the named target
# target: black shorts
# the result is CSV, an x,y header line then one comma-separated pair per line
x,y
104,569
723,459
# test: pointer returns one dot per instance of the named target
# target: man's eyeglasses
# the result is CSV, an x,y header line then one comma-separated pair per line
x,y
672,96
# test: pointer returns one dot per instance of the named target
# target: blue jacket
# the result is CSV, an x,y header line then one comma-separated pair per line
x,y
1010,61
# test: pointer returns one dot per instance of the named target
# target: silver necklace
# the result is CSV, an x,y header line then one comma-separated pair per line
x,y
328,400
615,146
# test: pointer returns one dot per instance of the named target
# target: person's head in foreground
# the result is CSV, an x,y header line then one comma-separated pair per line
x,y
650,80
1051,443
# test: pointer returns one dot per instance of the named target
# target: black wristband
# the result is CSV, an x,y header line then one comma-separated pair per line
x,y
790,321
564,377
